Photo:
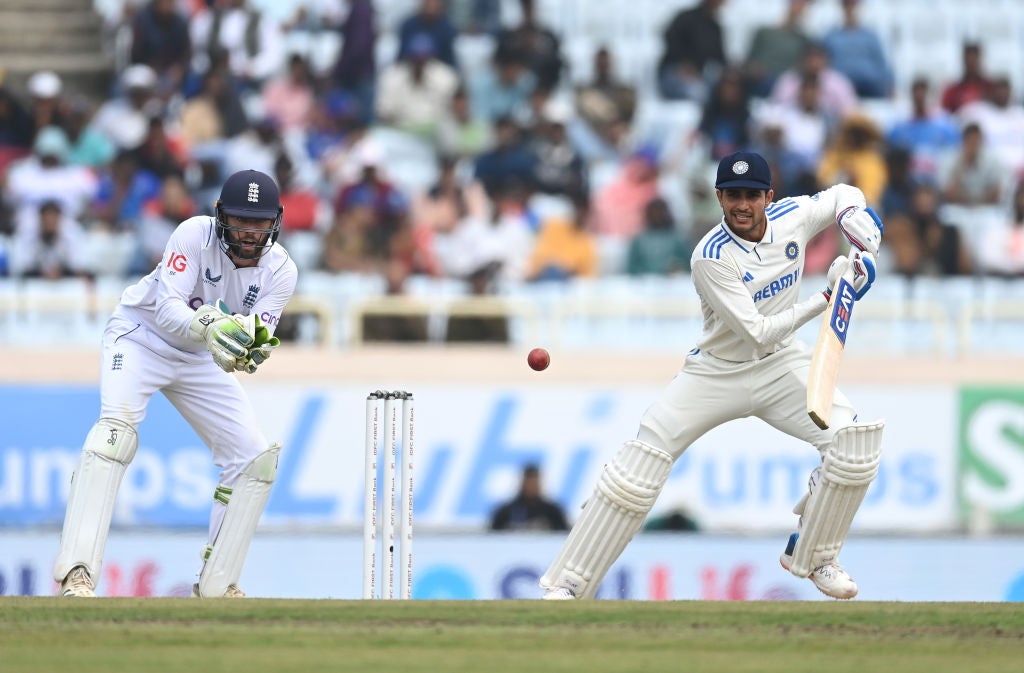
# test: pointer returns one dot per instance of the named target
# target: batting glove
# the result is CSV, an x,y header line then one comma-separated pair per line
x,y
226,336
863,265
862,227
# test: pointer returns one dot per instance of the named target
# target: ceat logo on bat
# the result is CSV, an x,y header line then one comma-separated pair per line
x,y
842,311
177,261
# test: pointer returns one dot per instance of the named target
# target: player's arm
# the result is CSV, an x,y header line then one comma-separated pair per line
x,y
179,271
720,285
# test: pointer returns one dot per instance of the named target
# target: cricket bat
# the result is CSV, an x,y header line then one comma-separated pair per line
x,y
828,351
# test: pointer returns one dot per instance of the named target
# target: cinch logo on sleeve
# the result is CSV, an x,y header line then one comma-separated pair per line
x,y
842,311
777,286
176,262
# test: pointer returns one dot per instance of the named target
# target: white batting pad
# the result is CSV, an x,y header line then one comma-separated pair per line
x,y
625,493
850,465
246,501
108,449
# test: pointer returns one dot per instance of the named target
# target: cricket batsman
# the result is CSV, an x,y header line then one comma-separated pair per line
x,y
747,273
208,310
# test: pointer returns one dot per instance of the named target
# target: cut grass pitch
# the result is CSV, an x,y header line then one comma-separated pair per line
x,y
38,635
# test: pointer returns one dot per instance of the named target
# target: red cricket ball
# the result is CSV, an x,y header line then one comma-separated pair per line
x,y
538,359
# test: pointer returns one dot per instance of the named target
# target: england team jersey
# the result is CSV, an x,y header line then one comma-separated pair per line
x,y
749,291
195,271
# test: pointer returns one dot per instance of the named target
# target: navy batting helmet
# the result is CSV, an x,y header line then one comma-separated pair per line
x,y
251,195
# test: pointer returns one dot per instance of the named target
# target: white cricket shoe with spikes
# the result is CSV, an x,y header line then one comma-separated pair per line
x,y
559,594
78,584
231,592
829,577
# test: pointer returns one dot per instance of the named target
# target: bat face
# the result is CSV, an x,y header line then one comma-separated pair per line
x,y
824,372
842,310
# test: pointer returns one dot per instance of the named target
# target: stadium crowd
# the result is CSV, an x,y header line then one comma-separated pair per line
x,y
505,168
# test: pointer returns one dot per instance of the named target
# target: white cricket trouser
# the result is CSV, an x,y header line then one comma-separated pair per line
x,y
136,363
708,392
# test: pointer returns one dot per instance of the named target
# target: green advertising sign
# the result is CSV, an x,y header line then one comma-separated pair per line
x,y
991,460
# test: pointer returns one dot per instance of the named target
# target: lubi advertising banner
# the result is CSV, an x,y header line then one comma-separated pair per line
x,y
991,448
472,441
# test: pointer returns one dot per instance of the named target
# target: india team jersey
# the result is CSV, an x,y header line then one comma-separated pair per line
x,y
196,271
748,290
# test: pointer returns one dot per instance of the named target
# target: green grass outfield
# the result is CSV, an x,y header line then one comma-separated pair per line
x,y
38,635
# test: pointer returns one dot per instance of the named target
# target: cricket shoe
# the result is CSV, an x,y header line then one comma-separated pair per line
x,y
563,591
231,592
829,577
78,584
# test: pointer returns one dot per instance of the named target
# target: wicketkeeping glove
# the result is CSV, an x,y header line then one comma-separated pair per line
x,y
227,337
261,348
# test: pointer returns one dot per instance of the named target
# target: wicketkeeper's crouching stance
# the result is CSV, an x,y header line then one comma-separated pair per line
x,y
747,272
161,338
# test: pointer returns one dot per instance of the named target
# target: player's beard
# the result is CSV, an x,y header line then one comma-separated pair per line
x,y
243,250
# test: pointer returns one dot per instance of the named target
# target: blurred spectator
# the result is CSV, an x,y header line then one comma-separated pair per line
x,y
922,243
503,89
159,153
253,41
606,107
972,175
399,328
560,168
973,84
414,94
775,49
290,97
619,205
928,132
259,147
836,95
856,51
725,119
430,19
214,114
438,210
1002,122
509,159
160,39
854,156
660,249
16,127
45,103
538,45
124,189
355,71
45,176
693,53
388,220
899,188
347,245
89,147
48,244
565,248
304,210
1001,247
530,509
159,217
124,119
792,172
461,133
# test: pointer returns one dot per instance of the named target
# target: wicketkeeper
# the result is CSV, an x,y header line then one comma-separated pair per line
x,y
747,272
207,310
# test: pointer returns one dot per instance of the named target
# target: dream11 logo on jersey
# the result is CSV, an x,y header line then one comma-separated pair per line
x,y
176,263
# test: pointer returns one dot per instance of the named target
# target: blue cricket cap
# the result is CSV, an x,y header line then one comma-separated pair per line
x,y
250,194
744,169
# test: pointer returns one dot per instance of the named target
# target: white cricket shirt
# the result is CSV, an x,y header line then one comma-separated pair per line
x,y
195,271
749,291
